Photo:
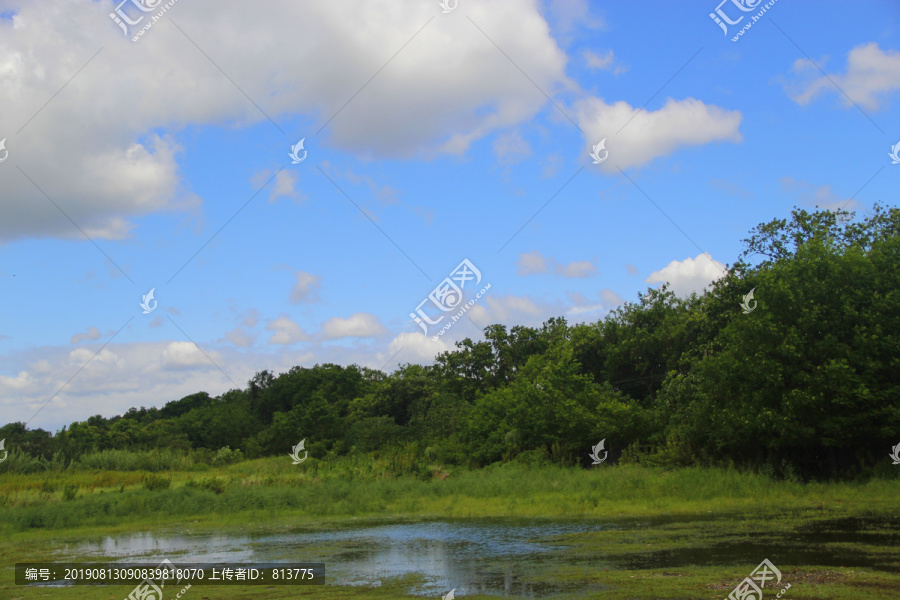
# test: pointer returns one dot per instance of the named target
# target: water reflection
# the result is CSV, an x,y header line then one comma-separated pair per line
x,y
484,556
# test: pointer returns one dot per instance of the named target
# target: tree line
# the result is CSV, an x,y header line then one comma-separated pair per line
x,y
806,384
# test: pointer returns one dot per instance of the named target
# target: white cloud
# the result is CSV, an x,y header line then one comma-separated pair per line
x,y
19,382
610,298
356,325
871,75
581,268
535,263
410,348
102,121
689,275
511,148
305,288
531,263
92,334
287,332
251,318
182,355
605,62
584,305
508,310
566,16
240,337
284,185
651,134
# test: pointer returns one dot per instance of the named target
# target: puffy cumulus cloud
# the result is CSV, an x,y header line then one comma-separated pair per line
x,y
356,325
535,263
120,377
870,77
96,184
103,120
94,362
689,275
183,355
92,334
305,288
410,348
287,331
817,195
19,382
651,134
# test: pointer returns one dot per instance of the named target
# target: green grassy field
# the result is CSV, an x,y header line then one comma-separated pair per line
x,y
684,533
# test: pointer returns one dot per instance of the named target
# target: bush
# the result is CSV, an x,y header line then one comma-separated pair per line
x,y
155,482
227,456
216,485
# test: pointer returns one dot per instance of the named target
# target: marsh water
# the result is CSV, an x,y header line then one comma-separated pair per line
x,y
470,556
500,557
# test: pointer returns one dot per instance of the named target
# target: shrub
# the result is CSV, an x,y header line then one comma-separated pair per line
x,y
155,482
227,456
216,485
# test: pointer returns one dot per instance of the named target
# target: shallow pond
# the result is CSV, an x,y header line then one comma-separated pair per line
x,y
471,556
504,557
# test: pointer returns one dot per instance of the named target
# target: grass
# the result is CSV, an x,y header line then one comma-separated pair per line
x,y
687,512
323,489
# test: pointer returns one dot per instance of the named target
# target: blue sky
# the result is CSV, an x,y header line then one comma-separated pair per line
x,y
432,138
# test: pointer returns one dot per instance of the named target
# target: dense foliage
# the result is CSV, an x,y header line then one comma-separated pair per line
x,y
806,384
